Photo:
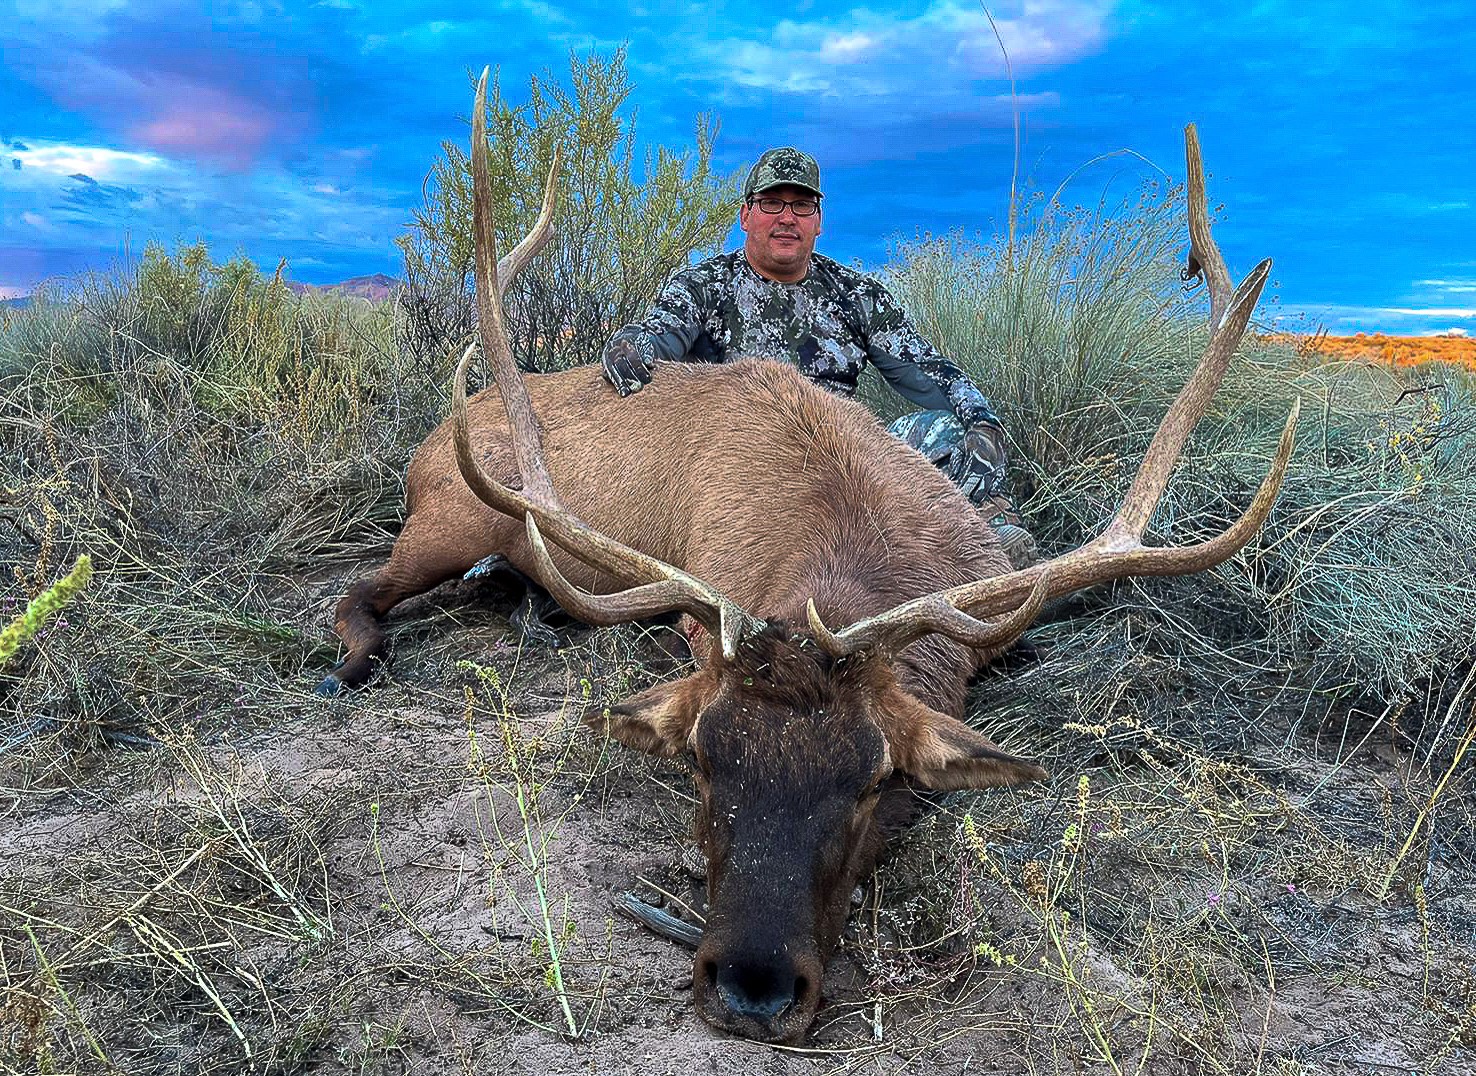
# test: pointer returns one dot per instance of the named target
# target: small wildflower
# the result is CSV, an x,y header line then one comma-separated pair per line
x,y
1291,887
1212,898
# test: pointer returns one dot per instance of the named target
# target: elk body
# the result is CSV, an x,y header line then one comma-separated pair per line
x,y
767,510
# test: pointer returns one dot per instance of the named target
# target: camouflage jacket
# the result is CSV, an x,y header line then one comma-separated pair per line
x,y
830,325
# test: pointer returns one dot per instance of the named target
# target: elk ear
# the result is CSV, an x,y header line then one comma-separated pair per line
x,y
943,753
658,720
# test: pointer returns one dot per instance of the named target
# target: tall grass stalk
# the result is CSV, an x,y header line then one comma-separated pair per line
x,y
27,624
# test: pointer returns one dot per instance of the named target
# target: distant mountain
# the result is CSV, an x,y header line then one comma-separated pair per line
x,y
376,288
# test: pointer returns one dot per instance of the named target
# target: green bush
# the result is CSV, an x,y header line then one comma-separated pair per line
x,y
182,331
616,237
211,438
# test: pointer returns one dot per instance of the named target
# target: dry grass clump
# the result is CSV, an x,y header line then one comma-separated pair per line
x,y
211,440
1362,584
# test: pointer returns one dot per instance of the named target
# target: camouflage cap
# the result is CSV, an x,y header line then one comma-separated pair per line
x,y
780,166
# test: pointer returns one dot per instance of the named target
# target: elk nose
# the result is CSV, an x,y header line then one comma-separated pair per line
x,y
758,991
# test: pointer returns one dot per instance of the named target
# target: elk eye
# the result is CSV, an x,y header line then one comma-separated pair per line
x,y
873,790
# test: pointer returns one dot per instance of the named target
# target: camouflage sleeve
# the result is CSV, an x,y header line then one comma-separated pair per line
x,y
912,366
674,321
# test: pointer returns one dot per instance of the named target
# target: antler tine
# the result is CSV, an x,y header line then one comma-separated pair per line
x,y
1118,552
511,263
538,505
1188,408
673,594
1204,255
942,618
527,439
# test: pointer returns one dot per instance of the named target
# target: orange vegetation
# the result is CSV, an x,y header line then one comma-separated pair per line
x,y
1398,350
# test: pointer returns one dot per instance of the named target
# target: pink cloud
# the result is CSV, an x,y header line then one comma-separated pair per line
x,y
201,122
178,115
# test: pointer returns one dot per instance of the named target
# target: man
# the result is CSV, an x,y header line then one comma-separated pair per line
x,y
777,298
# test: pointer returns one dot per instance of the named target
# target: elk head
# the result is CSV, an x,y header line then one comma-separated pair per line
x,y
803,746
804,762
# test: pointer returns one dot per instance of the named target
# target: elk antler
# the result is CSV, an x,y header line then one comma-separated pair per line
x,y
1204,256
1118,551
657,587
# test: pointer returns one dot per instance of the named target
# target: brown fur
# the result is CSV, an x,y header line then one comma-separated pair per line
x,y
763,485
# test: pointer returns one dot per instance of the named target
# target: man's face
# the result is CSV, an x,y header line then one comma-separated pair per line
x,y
779,245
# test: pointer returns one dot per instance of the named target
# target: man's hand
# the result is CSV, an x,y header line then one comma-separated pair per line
x,y
979,463
624,366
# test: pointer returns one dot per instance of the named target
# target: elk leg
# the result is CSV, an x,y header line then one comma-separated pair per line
x,y
533,609
423,557
357,621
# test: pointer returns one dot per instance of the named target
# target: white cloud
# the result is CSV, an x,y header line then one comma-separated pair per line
x,y
847,48
7,292
73,197
868,53
1430,311
1456,286
102,164
1342,319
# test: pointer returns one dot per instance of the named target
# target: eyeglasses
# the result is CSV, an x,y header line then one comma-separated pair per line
x,y
803,207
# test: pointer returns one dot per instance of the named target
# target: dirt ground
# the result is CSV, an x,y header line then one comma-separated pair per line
x,y
419,879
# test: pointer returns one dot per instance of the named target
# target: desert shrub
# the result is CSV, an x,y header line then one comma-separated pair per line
x,y
622,225
178,329
208,437
1361,589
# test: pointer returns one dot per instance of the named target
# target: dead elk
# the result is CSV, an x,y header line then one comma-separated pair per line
x,y
848,590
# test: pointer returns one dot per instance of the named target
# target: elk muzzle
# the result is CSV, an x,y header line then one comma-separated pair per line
x,y
768,993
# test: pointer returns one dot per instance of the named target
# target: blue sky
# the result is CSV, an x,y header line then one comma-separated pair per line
x,y
1339,136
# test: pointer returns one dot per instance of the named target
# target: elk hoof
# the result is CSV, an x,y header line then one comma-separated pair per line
x,y
487,566
534,630
329,687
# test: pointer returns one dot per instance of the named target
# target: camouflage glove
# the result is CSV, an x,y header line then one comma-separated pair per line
x,y
624,366
978,466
